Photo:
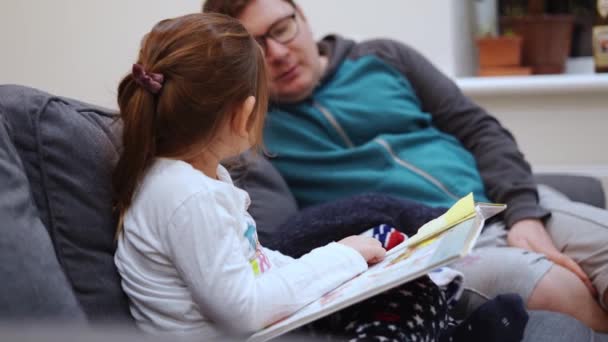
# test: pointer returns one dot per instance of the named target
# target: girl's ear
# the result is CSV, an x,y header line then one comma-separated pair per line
x,y
240,120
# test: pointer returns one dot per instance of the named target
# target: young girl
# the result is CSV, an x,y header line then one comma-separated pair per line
x,y
188,251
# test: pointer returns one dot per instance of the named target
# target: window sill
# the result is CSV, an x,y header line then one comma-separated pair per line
x,y
534,85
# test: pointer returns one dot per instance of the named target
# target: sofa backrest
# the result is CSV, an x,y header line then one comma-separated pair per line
x,y
63,152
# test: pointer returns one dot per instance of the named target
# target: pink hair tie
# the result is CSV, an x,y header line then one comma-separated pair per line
x,y
148,80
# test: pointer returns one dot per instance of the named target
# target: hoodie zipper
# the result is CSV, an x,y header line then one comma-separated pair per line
x,y
414,169
342,133
332,120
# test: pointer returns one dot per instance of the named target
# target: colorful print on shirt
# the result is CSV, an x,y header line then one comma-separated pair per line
x,y
259,262
252,236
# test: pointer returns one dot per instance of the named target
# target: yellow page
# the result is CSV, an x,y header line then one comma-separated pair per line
x,y
461,211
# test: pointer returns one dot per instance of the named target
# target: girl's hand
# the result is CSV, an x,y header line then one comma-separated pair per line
x,y
370,248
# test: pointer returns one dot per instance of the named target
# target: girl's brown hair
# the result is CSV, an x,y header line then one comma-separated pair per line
x,y
210,66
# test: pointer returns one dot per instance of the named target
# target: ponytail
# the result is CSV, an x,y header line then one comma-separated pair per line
x,y
138,114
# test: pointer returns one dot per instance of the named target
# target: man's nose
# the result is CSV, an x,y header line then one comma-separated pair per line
x,y
275,51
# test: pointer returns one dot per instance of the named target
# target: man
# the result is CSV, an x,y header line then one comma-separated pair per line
x,y
377,116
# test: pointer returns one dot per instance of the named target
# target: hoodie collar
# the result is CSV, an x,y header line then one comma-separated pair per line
x,y
336,49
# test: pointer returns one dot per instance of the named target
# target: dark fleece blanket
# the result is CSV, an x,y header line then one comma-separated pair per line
x,y
319,225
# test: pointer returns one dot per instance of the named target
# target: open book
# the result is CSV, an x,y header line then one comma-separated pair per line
x,y
437,243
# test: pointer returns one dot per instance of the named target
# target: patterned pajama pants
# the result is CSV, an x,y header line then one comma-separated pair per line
x,y
416,311
419,311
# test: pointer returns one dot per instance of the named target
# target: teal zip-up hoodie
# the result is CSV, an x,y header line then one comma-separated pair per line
x,y
367,128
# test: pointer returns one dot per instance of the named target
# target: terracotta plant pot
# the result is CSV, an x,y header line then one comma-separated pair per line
x,y
499,51
500,56
546,40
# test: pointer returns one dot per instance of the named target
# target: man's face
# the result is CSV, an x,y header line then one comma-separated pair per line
x,y
294,67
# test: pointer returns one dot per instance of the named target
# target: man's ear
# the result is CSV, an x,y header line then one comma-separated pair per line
x,y
240,120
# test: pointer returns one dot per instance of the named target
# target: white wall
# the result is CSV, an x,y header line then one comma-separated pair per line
x,y
77,48
440,29
559,122
82,48
555,129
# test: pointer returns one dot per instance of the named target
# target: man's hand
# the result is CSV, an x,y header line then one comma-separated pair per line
x,y
530,234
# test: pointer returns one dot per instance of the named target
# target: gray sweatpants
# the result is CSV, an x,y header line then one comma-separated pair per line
x,y
578,230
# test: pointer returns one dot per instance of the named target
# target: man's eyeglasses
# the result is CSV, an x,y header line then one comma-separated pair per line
x,y
282,31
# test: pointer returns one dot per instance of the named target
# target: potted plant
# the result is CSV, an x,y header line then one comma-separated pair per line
x,y
546,37
498,54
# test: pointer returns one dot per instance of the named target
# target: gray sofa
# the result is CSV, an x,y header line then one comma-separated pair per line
x,y
57,238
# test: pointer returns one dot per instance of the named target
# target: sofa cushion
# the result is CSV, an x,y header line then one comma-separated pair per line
x,y
34,285
271,200
68,150
579,188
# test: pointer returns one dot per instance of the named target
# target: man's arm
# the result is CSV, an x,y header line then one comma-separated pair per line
x,y
506,175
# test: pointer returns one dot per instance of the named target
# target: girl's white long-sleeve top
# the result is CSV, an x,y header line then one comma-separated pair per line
x,y
190,259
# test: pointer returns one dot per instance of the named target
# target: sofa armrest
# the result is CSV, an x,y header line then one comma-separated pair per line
x,y
585,189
